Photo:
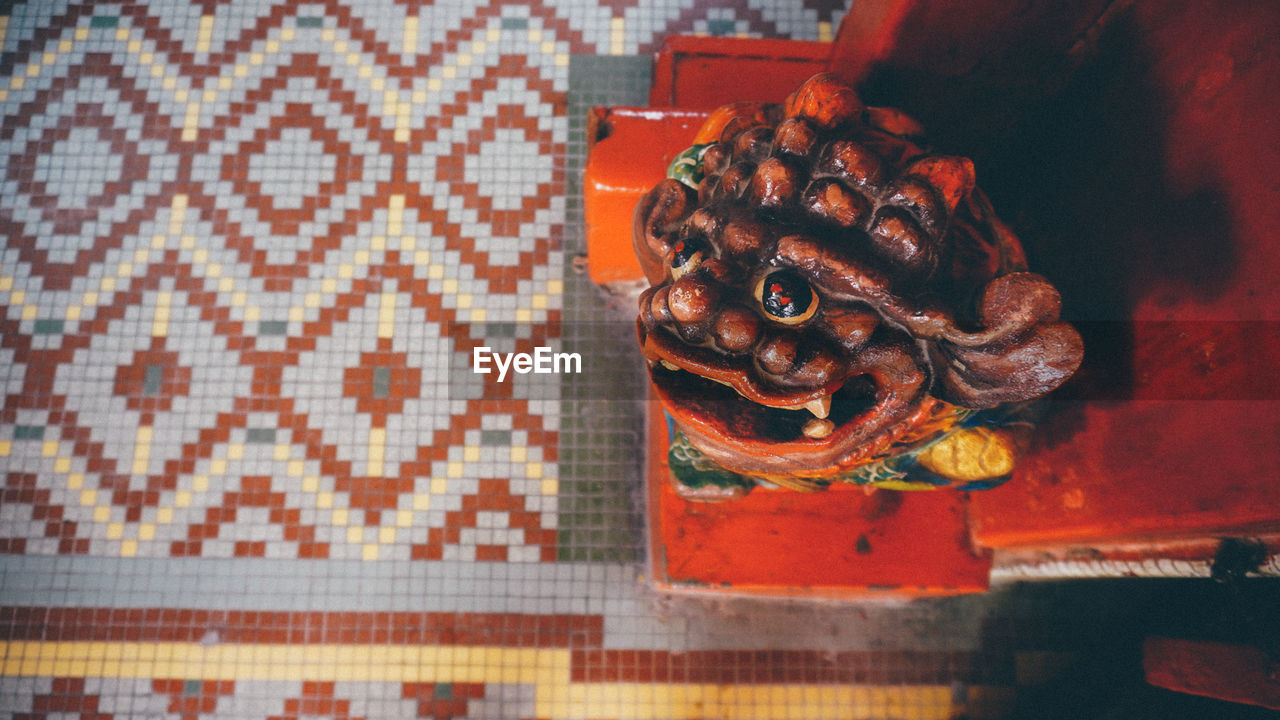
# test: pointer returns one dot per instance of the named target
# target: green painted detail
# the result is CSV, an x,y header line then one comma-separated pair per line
x,y
695,470
687,166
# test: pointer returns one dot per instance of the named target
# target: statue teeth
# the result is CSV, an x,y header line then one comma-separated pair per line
x,y
669,365
817,428
820,407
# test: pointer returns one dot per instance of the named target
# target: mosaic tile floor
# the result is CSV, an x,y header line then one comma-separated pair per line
x,y
249,252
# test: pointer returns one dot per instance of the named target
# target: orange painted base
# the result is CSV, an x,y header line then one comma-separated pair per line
x,y
843,543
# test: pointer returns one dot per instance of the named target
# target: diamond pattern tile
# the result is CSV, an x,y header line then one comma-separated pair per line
x,y
250,250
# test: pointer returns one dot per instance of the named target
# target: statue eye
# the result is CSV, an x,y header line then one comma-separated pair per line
x,y
787,297
686,256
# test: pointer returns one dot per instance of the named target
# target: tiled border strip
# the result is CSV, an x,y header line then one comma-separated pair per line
x,y
560,656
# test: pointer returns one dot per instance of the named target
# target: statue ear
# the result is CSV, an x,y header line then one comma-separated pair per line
x,y
658,217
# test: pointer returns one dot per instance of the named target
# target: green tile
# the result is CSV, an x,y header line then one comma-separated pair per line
x,y
513,23
273,327
495,438
310,22
49,327
382,382
260,435
28,432
153,380
721,27
104,21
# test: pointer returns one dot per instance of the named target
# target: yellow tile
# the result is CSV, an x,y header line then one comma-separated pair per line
x,y
449,286
535,34
310,483
29,312
550,486
353,58
225,82
435,272
386,535
439,486
562,60
449,71
355,534
422,501
454,470
6,284
164,515
75,481
479,315
340,516
89,497
101,513
533,470
49,448
555,287
524,315
295,468
410,42
17,83
369,552
62,464
200,483
182,498
379,84
538,301
434,85
519,453
404,518
147,531
272,46
324,500
239,71
115,531
471,453
235,451
218,466
287,34
464,60
252,314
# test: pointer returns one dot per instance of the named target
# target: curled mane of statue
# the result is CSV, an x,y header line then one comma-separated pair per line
x,y
833,301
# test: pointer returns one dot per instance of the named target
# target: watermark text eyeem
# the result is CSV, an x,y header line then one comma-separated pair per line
x,y
543,361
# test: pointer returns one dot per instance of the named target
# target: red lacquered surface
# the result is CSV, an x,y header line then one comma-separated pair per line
x,y
630,151
842,543
707,72
1236,673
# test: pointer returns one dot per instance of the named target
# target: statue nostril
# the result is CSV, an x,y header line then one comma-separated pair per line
x,y
737,329
692,299
778,354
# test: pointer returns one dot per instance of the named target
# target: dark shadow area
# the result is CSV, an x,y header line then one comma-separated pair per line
x,y
1100,625
1076,165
